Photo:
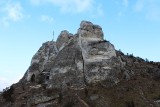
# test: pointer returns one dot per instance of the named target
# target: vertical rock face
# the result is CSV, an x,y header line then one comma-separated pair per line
x,y
96,52
92,43
75,60
68,66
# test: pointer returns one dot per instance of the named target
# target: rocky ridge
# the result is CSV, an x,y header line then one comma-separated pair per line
x,y
84,70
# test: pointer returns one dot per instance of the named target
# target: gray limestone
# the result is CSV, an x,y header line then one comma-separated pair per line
x,y
95,51
63,39
75,60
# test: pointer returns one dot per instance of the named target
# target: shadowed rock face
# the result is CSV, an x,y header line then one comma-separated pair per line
x,y
84,70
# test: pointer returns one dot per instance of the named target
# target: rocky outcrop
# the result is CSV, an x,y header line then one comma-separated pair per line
x,y
71,63
74,60
93,31
96,52
84,70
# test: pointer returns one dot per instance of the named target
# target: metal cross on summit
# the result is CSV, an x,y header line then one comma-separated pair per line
x,y
53,36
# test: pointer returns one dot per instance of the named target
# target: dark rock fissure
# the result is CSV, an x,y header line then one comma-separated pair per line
x,y
83,69
33,78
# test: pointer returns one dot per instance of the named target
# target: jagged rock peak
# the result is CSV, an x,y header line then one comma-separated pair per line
x,y
95,31
63,39
86,25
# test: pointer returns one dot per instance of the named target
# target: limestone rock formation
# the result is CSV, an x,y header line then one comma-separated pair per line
x,y
75,60
96,52
84,70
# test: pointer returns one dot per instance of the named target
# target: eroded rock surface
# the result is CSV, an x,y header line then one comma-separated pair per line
x,y
74,60
96,52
